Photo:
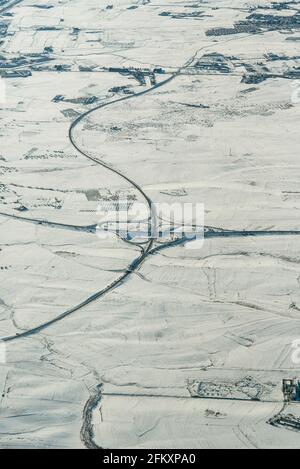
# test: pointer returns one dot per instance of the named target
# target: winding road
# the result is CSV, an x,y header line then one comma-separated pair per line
x,y
87,434
153,222
149,247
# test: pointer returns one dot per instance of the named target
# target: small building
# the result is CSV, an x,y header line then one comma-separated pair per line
x,y
291,389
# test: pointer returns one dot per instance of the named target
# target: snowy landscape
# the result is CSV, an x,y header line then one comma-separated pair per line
x,y
141,334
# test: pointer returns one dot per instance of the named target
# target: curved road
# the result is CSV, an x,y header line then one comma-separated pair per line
x,y
137,262
153,222
87,433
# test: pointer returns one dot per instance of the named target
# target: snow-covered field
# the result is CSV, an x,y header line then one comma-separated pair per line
x,y
202,106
